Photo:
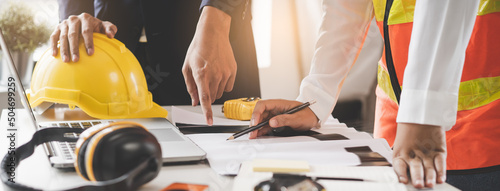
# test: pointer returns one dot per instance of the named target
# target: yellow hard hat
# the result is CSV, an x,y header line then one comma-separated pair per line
x,y
109,84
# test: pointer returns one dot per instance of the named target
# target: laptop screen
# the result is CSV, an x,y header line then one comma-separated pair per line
x,y
19,86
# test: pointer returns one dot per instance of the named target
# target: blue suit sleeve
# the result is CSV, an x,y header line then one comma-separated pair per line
x,y
74,7
230,7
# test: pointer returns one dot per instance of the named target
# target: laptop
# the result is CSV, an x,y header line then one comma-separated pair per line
x,y
175,146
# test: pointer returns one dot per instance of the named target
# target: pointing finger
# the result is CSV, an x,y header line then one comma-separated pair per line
x,y
205,101
190,84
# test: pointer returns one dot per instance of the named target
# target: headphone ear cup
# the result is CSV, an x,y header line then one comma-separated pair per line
x,y
122,150
80,161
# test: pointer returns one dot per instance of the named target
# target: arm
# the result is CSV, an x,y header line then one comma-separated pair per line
x,y
210,68
340,39
441,33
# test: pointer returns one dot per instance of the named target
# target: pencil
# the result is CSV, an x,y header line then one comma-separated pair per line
x,y
264,123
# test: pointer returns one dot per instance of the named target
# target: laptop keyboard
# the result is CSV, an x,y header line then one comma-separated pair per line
x,y
67,149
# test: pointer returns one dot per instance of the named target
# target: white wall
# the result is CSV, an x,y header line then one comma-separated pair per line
x,y
293,33
281,77
309,13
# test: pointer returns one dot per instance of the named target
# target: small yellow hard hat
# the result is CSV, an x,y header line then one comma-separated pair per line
x,y
109,84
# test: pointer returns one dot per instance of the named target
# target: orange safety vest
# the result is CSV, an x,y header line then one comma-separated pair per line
x,y
474,141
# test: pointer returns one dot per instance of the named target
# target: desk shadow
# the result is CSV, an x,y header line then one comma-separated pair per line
x,y
198,129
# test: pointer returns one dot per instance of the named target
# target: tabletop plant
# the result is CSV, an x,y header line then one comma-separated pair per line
x,y
21,32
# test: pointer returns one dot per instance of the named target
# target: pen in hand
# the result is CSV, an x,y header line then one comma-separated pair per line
x,y
264,123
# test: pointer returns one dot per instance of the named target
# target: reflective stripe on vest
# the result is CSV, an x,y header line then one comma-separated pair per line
x,y
472,94
476,130
402,11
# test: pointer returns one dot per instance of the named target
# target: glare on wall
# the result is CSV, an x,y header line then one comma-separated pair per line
x,y
261,23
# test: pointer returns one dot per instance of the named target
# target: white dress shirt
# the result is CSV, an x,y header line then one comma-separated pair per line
x,y
441,33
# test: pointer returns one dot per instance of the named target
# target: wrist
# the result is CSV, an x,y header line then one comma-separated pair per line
x,y
214,20
417,134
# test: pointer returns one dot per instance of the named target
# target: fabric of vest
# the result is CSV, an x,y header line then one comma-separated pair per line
x,y
474,140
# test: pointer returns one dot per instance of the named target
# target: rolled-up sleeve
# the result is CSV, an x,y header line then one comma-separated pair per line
x,y
440,36
342,33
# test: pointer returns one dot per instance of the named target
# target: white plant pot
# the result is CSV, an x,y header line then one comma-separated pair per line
x,y
24,65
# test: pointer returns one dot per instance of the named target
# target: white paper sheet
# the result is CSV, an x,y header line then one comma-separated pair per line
x,y
225,157
195,116
332,121
378,178
371,173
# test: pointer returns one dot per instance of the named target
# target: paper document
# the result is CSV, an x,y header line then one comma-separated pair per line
x,y
375,178
193,115
333,121
225,157
282,166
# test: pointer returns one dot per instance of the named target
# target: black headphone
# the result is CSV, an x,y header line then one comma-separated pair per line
x,y
116,156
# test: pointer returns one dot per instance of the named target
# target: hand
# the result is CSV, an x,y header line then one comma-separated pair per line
x,y
302,120
422,149
68,34
210,68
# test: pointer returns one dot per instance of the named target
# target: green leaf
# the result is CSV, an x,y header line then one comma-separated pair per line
x,y
20,31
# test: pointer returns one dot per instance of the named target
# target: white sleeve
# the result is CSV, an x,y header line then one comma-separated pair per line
x,y
343,30
441,33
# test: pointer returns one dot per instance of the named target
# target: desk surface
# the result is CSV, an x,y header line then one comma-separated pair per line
x,y
37,172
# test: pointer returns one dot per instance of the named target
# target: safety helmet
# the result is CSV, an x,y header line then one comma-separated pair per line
x,y
108,84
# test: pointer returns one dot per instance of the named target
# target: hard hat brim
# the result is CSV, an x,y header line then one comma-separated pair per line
x,y
154,111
